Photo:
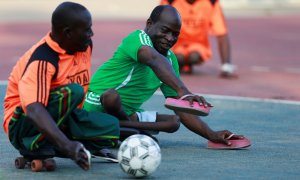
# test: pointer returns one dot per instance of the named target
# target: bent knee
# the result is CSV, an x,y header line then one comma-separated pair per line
x,y
174,124
180,59
109,96
195,58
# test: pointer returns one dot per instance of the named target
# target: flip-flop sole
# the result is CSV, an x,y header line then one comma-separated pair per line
x,y
235,144
184,106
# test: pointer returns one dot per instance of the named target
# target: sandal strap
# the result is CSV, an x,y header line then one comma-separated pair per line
x,y
187,95
230,136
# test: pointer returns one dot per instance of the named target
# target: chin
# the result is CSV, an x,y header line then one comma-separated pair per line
x,y
163,51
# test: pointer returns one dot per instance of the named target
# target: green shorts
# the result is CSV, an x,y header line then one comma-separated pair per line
x,y
95,130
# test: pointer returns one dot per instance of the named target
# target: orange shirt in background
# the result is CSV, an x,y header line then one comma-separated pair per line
x,y
199,20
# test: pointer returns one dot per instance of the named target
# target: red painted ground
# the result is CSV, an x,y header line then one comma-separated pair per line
x,y
266,51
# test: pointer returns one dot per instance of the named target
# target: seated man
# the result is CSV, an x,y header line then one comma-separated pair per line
x,y
46,87
200,18
142,63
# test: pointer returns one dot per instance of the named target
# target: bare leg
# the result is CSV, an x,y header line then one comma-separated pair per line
x,y
180,58
111,102
165,123
195,58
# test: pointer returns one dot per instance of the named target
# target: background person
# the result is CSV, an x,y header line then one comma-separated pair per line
x,y
200,18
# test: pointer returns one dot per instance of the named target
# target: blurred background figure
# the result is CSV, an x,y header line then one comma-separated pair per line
x,y
200,18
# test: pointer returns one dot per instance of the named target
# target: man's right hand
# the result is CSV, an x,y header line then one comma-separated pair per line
x,y
77,152
223,137
193,97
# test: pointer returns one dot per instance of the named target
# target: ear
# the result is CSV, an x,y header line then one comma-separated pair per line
x,y
149,22
67,32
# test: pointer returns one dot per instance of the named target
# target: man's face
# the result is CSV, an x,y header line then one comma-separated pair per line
x,y
81,33
164,33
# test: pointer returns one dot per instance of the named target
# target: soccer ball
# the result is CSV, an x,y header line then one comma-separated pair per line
x,y
139,155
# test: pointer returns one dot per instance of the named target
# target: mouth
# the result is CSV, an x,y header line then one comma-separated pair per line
x,y
166,46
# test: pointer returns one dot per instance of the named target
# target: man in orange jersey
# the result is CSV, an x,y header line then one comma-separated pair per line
x,y
46,88
199,19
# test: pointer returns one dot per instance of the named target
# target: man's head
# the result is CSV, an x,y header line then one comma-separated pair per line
x,y
71,27
163,27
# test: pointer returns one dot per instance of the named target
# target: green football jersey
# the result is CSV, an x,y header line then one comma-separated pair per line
x,y
135,82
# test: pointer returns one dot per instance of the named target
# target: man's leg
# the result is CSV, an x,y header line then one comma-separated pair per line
x,y
162,122
111,102
96,130
62,100
181,60
191,59
194,57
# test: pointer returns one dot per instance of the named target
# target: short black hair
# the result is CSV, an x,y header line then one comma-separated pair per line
x,y
155,14
65,14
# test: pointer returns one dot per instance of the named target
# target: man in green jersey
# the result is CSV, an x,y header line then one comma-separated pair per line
x,y
142,63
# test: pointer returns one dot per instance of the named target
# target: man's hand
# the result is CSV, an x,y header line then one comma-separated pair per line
x,y
79,154
42,120
200,99
223,137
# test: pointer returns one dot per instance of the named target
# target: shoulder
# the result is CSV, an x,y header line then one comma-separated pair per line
x,y
44,53
138,37
171,54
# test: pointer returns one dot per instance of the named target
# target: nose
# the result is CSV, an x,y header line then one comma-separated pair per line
x,y
169,37
91,33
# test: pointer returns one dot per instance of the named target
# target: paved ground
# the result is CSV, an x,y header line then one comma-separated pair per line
x,y
265,104
272,127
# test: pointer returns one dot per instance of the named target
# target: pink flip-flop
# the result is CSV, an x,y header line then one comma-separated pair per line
x,y
235,144
184,106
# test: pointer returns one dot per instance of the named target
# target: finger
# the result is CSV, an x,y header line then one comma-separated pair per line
x,y
191,101
198,100
203,101
83,160
82,157
238,137
225,141
209,105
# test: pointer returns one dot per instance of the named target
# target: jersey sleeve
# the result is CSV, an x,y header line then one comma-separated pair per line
x,y
167,90
34,85
218,24
134,41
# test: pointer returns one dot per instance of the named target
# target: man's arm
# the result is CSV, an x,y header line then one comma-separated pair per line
x,y
162,69
196,125
41,119
166,74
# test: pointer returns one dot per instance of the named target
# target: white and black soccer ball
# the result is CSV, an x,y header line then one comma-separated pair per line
x,y
139,155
